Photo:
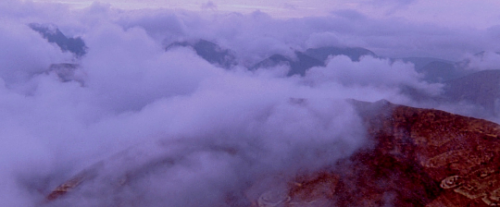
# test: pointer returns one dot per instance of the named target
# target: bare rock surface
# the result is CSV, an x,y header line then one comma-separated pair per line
x,y
416,157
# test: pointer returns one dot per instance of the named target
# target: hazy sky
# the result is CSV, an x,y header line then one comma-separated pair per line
x,y
480,14
221,127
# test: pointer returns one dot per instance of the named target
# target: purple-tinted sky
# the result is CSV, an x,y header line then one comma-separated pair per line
x,y
60,114
471,13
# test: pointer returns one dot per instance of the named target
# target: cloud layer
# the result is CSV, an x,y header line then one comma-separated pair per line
x,y
221,130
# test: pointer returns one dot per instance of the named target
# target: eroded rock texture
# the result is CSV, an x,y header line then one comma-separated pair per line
x,y
419,157
416,157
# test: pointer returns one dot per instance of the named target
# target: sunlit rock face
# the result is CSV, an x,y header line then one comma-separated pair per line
x,y
415,157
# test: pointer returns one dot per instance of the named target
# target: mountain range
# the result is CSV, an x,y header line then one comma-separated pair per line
x,y
478,88
414,156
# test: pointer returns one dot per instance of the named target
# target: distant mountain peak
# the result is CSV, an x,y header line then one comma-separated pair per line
x,y
54,35
354,53
311,58
209,51
298,65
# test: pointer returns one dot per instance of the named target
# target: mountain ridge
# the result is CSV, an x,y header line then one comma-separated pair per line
x,y
414,152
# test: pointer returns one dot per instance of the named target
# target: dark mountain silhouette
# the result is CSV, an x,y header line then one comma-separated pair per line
x,y
435,69
311,58
299,65
420,62
480,88
439,71
209,51
354,53
54,35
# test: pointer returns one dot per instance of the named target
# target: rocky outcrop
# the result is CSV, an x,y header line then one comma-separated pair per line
x,y
416,157
419,157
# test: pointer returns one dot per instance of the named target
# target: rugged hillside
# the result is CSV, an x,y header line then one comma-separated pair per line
x,y
424,157
416,157
419,157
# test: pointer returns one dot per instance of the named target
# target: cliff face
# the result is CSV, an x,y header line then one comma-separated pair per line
x,y
419,157
416,157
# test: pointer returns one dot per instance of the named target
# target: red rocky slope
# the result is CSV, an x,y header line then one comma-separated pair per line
x,y
417,157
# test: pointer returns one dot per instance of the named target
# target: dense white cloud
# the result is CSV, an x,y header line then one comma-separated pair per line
x,y
222,126
24,53
483,61
132,92
371,71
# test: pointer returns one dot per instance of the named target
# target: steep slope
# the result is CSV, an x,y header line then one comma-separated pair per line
x,y
430,157
418,157
415,157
